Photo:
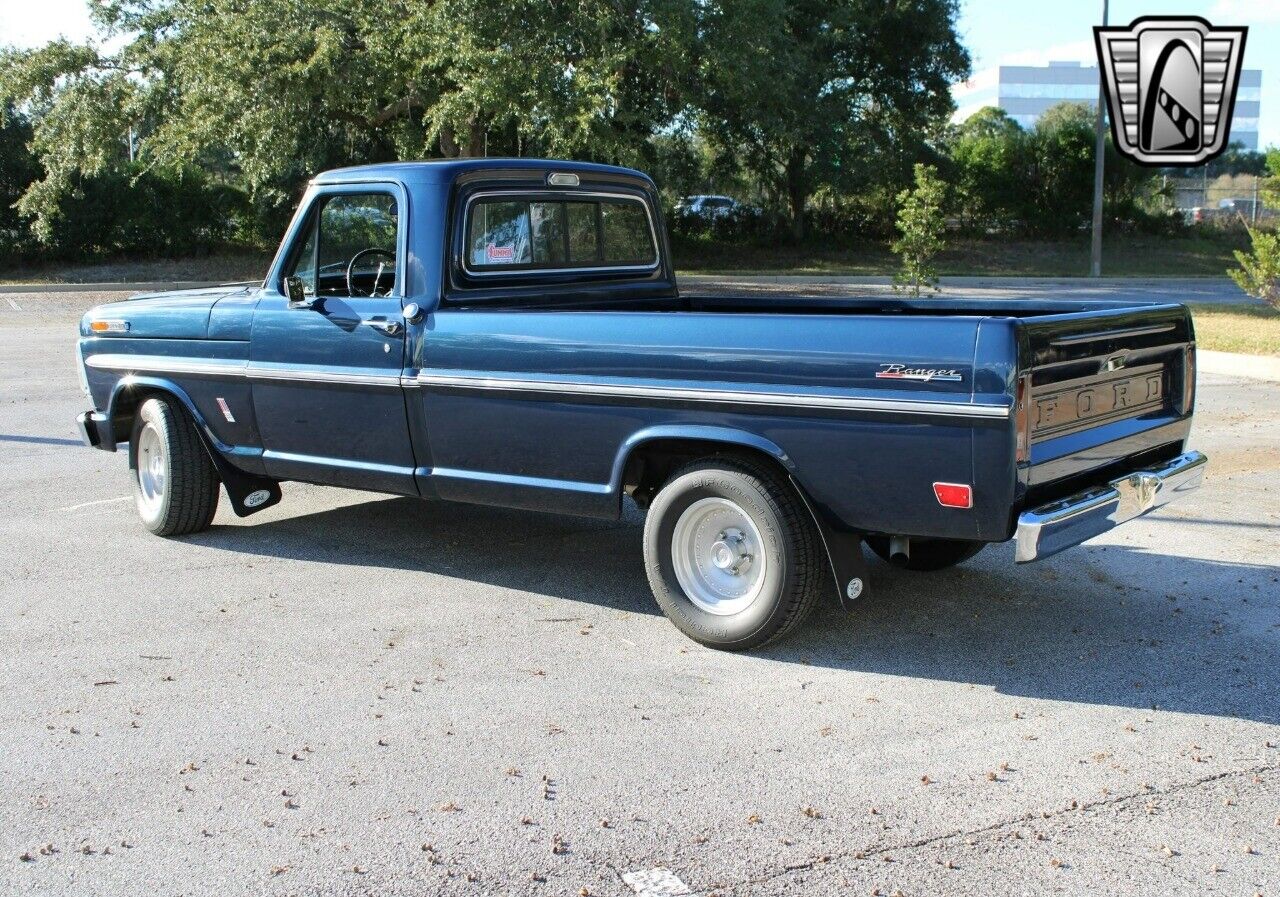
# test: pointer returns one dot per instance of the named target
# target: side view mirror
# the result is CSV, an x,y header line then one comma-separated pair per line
x,y
296,289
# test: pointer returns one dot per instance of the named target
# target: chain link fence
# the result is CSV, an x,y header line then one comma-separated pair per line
x,y
1226,201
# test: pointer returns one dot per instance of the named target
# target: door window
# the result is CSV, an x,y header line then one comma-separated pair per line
x,y
349,248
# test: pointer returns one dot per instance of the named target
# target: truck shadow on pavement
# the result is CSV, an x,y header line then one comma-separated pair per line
x,y
1108,625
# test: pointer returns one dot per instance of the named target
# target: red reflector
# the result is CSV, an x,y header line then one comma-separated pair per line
x,y
953,495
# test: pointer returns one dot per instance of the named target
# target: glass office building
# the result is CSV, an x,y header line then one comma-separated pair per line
x,y
1026,91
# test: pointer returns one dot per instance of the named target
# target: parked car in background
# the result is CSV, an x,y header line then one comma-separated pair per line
x,y
708,206
510,332
1230,211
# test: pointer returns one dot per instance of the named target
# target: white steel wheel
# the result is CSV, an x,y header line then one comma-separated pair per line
x,y
718,556
732,555
152,471
175,484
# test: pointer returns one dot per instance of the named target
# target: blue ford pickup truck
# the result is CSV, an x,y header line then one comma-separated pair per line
x,y
509,332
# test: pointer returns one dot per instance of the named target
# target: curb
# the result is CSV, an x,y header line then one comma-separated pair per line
x,y
958,280
1233,364
991,280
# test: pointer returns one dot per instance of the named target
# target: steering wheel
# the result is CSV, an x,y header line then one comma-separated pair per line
x,y
351,267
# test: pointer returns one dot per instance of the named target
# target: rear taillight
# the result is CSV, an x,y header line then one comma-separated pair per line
x,y
1022,418
1188,379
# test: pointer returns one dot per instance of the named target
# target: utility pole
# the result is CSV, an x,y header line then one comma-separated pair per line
x,y
1095,254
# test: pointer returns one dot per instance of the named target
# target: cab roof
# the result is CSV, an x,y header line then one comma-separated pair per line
x,y
447,170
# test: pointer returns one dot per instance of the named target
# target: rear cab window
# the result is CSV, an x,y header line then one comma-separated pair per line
x,y
506,233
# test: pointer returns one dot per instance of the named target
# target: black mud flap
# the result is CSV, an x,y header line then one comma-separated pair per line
x,y
248,492
844,552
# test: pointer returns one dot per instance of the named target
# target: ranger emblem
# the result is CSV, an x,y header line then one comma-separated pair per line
x,y
895,371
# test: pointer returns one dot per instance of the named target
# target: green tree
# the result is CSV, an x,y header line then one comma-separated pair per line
x,y
920,228
279,89
989,151
1060,170
806,93
18,168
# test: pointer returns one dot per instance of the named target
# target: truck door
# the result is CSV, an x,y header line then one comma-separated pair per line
x,y
326,362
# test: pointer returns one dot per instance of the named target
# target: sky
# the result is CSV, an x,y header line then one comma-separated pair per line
x,y
997,32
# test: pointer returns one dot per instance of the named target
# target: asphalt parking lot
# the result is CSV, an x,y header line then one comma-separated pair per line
x,y
354,694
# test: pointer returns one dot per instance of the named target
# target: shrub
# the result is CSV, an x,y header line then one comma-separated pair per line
x,y
135,211
1259,271
920,225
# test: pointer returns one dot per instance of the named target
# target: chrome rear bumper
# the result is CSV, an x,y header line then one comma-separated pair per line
x,y
1050,528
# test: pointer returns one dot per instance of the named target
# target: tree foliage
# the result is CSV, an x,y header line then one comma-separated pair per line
x,y
18,168
270,91
1040,181
990,152
1270,188
792,96
806,93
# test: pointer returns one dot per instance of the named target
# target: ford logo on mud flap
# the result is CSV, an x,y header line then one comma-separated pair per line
x,y
256,499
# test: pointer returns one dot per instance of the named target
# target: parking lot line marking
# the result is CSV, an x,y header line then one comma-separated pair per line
x,y
16,306
90,504
656,883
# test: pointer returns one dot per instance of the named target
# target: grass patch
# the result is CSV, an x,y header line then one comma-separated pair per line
x,y
1196,254
1250,329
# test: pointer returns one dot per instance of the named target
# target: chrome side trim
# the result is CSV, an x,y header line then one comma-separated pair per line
x,y
1050,528
511,479
305,373
321,461
164,364
704,394
294,373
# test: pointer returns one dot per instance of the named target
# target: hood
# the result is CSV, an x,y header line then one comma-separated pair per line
x,y
174,314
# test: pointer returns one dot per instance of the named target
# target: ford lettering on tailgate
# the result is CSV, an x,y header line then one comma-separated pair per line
x,y
1078,404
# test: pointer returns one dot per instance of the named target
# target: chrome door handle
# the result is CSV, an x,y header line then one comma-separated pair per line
x,y
390,328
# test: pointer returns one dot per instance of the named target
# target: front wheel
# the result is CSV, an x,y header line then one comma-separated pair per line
x,y
731,553
928,554
175,484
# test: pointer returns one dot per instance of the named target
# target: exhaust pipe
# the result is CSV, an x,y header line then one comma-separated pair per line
x,y
899,550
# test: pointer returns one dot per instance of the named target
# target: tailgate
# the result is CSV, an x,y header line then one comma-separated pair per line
x,y
1102,391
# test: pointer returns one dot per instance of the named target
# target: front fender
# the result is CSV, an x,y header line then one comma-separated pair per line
x,y
240,484
128,392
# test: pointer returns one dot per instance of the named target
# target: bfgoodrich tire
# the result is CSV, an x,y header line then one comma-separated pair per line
x,y
175,484
732,554
928,554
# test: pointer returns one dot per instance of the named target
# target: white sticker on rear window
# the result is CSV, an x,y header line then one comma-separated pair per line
x,y
494,253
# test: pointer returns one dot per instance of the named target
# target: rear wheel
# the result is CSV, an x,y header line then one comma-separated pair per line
x,y
928,554
731,554
175,484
